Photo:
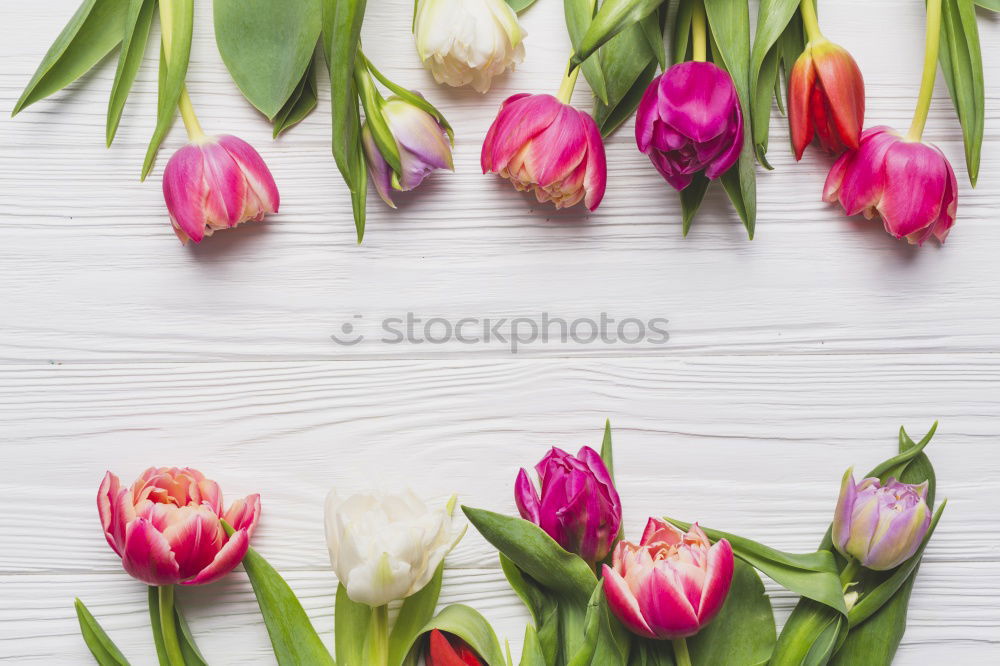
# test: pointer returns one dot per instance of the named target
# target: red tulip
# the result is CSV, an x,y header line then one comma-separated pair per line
x,y
826,99
670,584
450,650
167,527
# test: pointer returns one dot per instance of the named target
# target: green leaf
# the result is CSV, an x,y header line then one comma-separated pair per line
x,y
192,655
267,46
648,652
520,5
691,198
773,19
629,64
174,57
101,646
811,575
729,24
341,38
350,624
136,36
469,625
413,98
93,31
416,611
809,636
542,605
606,641
293,638
531,654
962,64
743,633
993,5
536,554
607,454
579,17
680,43
611,18
300,104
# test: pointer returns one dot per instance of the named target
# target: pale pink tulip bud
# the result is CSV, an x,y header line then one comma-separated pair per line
x,y
216,183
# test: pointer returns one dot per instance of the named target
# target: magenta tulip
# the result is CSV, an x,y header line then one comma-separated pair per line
x,y
689,121
167,527
910,184
543,145
880,525
578,505
670,584
216,183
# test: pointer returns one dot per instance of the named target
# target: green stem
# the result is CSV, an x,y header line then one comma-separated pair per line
x,y
699,33
810,20
933,45
568,84
191,124
849,575
681,654
168,626
379,635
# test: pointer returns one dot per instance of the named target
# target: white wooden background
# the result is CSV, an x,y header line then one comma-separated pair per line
x,y
791,357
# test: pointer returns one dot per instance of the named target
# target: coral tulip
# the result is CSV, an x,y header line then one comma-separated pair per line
x,y
910,184
467,41
216,183
578,505
449,650
167,527
541,144
670,584
826,99
689,121
881,525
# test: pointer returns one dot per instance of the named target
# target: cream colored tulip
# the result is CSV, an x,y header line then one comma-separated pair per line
x,y
386,546
467,42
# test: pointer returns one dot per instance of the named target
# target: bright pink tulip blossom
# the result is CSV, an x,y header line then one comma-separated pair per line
x,y
689,121
880,525
167,527
670,584
578,505
910,184
543,145
217,183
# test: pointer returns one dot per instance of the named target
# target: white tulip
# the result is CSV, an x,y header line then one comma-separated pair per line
x,y
467,41
386,546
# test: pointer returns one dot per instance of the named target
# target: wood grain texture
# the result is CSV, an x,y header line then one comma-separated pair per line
x,y
789,358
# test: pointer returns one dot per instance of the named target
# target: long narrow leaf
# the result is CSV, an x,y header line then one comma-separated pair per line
x,y
92,32
773,18
300,104
962,64
416,611
100,644
579,17
469,625
135,38
613,17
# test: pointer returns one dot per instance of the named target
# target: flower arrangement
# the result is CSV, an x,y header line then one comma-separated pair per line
x,y
681,594
705,118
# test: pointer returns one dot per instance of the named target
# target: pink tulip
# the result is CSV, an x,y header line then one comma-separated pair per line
x,y
167,527
578,506
670,584
541,144
216,183
689,121
880,525
910,184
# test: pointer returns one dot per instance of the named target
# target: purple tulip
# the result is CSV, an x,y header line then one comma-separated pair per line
x,y
689,121
578,505
880,525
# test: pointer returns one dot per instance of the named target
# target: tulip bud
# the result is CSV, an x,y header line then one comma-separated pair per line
x,y
910,184
689,121
578,505
449,650
670,584
385,547
423,146
880,525
216,183
467,41
167,527
541,144
826,99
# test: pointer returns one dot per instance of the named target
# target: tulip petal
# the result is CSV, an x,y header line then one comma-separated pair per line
x,y
225,559
727,158
381,174
647,116
146,555
558,149
696,99
624,604
258,176
844,92
107,497
522,117
195,538
526,497
244,514
718,578
225,187
596,178
666,609
835,180
864,179
916,185
841,528
800,87
184,193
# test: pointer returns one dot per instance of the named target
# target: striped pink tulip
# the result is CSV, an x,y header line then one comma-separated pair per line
x,y
167,527
880,525
689,121
217,183
550,148
910,184
670,584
